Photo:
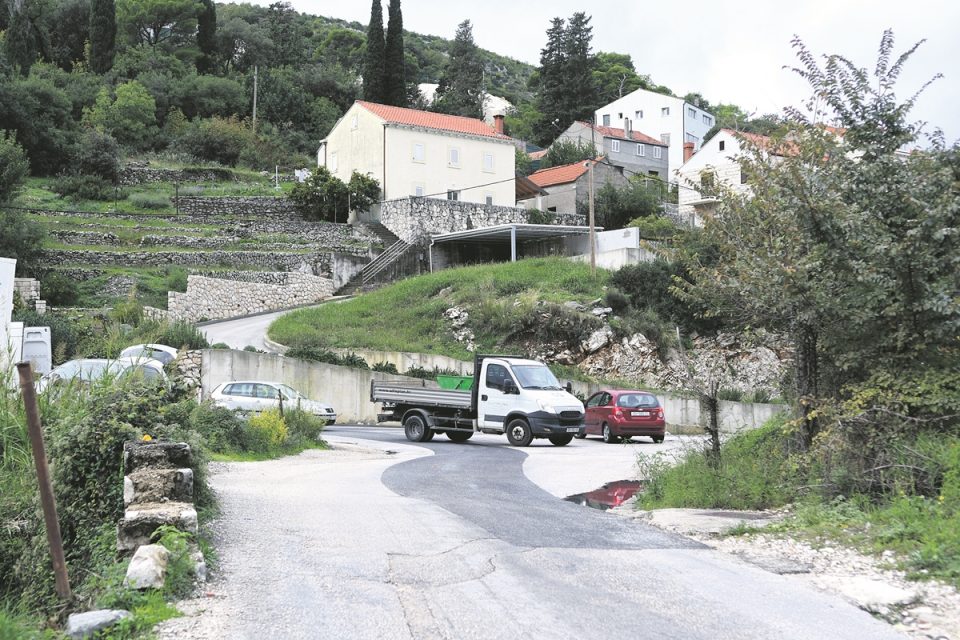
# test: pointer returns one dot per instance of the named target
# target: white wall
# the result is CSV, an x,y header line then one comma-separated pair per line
x,y
359,148
721,163
7,268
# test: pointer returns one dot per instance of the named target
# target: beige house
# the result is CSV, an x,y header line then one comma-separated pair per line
x,y
419,153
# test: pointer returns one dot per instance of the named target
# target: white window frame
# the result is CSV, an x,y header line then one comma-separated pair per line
x,y
664,112
639,114
615,146
423,152
665,138
453,157
485,166
657,152
692,112
605,119
419,189
707,120
353,122
334,163
641,149
453,194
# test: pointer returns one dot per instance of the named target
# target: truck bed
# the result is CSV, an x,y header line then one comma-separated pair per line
x,y
418,395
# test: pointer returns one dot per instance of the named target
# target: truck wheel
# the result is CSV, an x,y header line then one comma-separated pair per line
x,y
459,436
561,441
416,429
519,433
608,436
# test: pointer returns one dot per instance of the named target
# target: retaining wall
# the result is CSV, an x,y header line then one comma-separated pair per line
x,y
260,207
213,298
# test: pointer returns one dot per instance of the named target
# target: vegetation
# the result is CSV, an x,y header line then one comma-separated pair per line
x,y
460,91
374,62
323,196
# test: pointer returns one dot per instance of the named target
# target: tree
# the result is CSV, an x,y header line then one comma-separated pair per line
x,y
152,22
617,206
550,84
394,74
374,62
103,35
207,36
130,117
323,196
461,87
615,76
13,167
563,152
40,115
98,154
67,42
580,95
289,45
21,43
22,239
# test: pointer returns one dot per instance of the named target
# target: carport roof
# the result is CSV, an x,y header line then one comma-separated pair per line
x,y
503,232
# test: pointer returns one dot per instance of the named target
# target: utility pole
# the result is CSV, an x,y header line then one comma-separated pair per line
x,y
254,98
593,239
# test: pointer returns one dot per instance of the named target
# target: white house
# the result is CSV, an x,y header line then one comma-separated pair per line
x,y
673,120
419,153
9,351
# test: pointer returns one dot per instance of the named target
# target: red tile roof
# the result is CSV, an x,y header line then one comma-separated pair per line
x,y
429,120
611,132
558,175
536,155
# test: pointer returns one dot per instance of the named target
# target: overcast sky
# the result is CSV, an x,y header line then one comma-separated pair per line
x,y
728,51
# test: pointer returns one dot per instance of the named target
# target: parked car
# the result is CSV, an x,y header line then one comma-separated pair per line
x,y
257,395
87,370
160,352
622,413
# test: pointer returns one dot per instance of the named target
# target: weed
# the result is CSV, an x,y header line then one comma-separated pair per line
x,y
385,367
266,431
181,568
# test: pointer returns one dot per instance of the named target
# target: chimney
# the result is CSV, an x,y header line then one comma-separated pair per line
x,y
687,151
626,127
498,123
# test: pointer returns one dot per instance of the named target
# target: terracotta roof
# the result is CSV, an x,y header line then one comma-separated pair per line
x,y
558,175
429,120
536,155
611,132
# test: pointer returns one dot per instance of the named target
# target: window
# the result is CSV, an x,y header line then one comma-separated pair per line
x,y
333,162
265,391
665,112
706,179
243,389
723,144
595,400
707,120
692,113
453,158
653,173
606,119
619,116
552,209
419,153
658,152
496,375
689,137
665,138
641,150
418,189
488,199
615,145
639,114
453,194
488,162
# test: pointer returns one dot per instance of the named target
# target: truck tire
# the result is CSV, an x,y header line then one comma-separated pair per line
x,y
561,441
459,436
416,429
519,433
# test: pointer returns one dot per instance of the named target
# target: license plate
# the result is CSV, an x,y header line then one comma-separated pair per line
x,y
573,429
640,414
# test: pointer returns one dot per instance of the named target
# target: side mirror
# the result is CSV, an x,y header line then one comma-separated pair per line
x,y
509,387
569,388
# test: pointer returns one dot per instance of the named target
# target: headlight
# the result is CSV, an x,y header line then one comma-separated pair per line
x,y
546,406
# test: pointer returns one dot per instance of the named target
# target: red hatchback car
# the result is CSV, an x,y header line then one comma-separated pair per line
x,y
622,413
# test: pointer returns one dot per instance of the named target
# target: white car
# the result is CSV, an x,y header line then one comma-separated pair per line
x,y
258,395
160,352
87,370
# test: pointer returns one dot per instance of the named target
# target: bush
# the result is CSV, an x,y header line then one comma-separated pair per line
x,y
303,428
385,367
13,166
222,431
64,337
149,200
128,311
616,300
98,154
219,345
216,139
319,354
182,335
59,290
654,227
78,188
266,431
22,238
536,216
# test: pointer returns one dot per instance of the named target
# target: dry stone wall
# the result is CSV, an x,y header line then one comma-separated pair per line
x,y
260,207
132,175
213,298
318,262
415,219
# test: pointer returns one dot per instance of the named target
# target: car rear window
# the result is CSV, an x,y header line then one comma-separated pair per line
x,y
634,400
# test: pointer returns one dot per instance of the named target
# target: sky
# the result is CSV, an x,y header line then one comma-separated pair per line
x,y
728,52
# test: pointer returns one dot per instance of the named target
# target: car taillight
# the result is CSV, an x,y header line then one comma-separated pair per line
x,y
660,414
618,413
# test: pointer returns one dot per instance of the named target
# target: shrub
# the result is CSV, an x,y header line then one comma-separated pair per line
x,y
385,367
219,345
85,188
13,166
181,570
303,427
266,431
314,353
22,238
128,311
220,428
149,200
182,335
536,216
654,227
98,154
59,290
217,139
732,395
353,360
64,336
616,300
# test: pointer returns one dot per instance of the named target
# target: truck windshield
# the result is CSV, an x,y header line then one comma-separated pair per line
x,y
535,377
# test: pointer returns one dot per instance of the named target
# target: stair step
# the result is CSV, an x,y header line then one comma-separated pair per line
x,y
142,520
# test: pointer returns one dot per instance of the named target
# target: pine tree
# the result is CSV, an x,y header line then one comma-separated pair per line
x,y
21,40
206,35
395,84
374,62
461,86
550,83
579,92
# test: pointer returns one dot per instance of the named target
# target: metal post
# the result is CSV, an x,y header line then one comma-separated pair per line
x,y
513,243
254,99
43,478
593,239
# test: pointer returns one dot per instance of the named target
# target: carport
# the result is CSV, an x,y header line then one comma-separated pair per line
x,y
500,243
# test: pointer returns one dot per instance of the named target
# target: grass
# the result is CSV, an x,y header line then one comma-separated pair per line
x,y
408,315
259,456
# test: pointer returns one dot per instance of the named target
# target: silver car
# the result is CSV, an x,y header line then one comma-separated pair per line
x,y
87,370
258,395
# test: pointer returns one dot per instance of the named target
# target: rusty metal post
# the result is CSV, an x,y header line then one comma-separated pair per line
x,y
43,478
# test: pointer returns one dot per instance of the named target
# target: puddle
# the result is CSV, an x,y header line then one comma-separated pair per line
x,y
612,494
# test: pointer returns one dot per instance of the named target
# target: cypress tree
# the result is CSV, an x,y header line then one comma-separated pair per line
x,y
374,62
394,82
21,41
206,35
550,87
103,35
579,93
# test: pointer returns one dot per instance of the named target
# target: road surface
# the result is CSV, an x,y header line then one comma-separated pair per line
x,y
384,539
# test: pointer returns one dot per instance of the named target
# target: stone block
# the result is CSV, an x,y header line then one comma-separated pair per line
x,y
148,567
156,455
84,625
140,522
158,485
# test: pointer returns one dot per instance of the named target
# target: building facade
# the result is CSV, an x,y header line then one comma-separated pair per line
x,y
636,153
419,153
567,187
669,119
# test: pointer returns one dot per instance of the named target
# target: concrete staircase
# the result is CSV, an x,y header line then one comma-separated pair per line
x,y
368,276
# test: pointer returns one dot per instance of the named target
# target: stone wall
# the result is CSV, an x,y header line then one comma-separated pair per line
x,y
91,238
415,219
317,262
132,175
28,288
213,298
259,207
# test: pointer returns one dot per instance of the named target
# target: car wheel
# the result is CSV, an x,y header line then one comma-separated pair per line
x,y
416,429
519,433
330,422
561,441
657,439
608,435
459,436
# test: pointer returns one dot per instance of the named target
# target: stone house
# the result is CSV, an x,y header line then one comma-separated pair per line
x,y
567,187
636,153
422,154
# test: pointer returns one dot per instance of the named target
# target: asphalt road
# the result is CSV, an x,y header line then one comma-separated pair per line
x,y
385,539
